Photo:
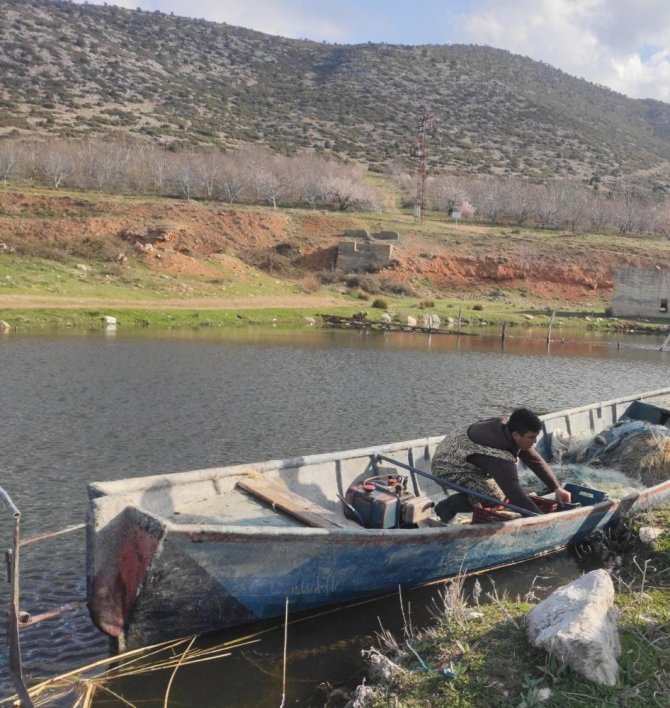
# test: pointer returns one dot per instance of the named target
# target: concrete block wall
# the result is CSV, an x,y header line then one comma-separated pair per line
x,y
354,256
644,292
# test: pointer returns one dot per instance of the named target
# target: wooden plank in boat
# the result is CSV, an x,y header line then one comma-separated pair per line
x,y
308,511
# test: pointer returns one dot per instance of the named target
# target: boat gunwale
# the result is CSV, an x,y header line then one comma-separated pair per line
x,y
395,533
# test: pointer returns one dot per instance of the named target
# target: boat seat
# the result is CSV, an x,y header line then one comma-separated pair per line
x,y
282,498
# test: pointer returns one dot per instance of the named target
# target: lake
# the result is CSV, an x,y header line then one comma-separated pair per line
x,y
99,406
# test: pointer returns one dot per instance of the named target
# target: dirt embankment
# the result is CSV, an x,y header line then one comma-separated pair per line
x,y
184,237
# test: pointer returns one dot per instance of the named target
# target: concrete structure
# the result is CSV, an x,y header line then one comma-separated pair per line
x,y
386,235
355,256
641,292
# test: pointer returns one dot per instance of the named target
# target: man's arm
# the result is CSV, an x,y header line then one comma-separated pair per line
x,y
506,476
545,474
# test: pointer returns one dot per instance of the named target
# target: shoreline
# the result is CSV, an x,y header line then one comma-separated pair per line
x,y
38,312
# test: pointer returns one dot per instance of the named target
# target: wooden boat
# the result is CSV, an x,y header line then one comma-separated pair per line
x,y
175,554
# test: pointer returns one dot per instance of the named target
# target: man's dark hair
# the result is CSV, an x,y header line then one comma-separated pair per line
x,y
523,421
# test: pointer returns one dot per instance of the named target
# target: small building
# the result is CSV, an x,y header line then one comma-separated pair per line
x,y
641,292
355,256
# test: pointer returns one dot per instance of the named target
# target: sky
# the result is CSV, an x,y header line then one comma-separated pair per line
x,y
621,44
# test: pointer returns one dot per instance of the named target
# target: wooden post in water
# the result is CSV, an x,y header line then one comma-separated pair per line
x,y
15,670
460,311
551,322
504,331
663,346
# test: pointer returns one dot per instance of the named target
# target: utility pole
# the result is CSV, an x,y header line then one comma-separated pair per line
x,y
420,150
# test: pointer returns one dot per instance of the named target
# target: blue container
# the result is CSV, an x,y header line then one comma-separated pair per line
x,y
584,495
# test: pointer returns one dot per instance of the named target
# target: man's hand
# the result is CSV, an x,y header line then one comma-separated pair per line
x,y
562,496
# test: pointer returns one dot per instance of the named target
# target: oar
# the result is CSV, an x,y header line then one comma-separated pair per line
x,y
452,485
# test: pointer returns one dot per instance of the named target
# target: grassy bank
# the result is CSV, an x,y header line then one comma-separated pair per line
x,y
477,653
88,314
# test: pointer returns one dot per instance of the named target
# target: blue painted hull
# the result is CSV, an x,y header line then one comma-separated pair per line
x,y
259,572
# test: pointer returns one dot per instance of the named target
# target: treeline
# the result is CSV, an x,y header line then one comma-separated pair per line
x,y
250,174
622,205
254,174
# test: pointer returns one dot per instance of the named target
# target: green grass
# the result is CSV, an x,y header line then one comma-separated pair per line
x,y
135,281
491,662
159,319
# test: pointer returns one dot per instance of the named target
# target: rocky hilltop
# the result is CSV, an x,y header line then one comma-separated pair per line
x,y
78,70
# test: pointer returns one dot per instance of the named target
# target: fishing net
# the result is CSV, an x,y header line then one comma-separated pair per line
x,y
605,479
638,449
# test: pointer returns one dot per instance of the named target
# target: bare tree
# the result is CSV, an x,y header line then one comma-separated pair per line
x,y
569,200
598,209
347,193
208,165
308,178
270,179
8,158
103,163
447,193
546,207
660,219
521,197
489,198
231,178
157,162
184,174
627,200
54,161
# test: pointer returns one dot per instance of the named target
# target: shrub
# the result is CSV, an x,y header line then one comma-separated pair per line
x,y
397,287
427,303
380,303
327,277
310,283
478,307
367,283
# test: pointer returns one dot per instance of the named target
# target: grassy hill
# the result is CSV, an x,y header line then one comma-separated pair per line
x,y
76,70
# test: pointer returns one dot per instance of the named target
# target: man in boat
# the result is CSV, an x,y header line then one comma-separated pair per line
x,y
484,458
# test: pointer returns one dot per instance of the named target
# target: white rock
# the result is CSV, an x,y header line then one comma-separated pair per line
x,y
109,320
411,321
544,694
577,624
4,326
648,534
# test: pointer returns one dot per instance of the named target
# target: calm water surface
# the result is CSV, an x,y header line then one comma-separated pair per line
x,y
85,408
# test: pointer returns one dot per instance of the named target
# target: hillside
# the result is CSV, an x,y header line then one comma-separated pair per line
x,y
74,70
80,248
